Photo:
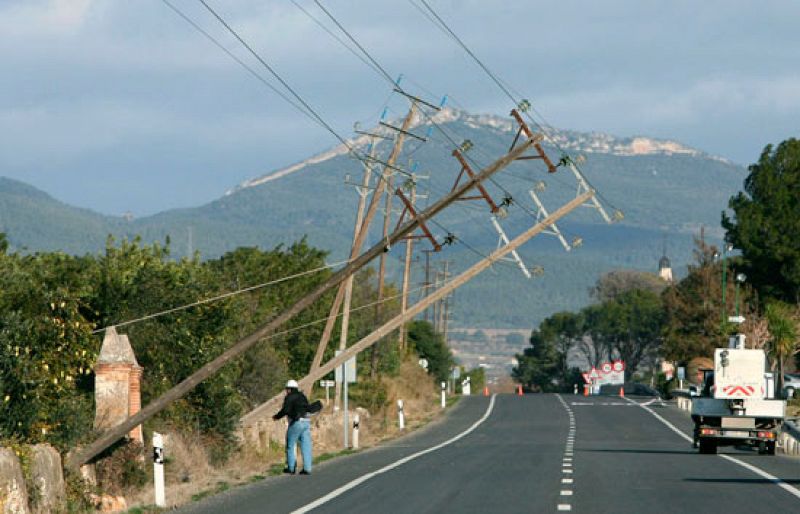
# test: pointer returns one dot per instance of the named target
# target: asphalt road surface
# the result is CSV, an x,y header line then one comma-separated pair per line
x,y
536,453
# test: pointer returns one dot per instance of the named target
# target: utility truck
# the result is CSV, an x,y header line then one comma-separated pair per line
x,y
737,405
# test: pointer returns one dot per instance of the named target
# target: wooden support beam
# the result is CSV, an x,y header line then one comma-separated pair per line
x,y
83,455
465,167
529,133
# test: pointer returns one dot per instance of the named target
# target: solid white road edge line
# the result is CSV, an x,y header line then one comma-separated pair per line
x,y
758,471
360,480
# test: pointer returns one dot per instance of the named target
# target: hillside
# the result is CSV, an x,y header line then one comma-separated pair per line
x,y
666,190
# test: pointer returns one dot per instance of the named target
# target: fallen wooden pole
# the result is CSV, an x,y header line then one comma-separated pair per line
x,y
85,454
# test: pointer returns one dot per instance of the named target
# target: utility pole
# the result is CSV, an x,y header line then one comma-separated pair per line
x,y
109,437
406,274
440,307
436,305
387,218
363,229
427,283
420,306
448,304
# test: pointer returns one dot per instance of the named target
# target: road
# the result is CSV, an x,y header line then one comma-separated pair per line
x,y
535,453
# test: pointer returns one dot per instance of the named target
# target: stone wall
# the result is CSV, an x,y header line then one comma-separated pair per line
x,y
13,494
44,492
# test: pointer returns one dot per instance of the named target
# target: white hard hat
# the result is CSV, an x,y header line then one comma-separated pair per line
x,y
292,384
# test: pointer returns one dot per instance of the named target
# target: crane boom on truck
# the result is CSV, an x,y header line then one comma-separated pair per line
x,y
737,404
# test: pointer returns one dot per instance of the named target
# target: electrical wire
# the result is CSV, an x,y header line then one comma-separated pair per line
x,y
221,296
241,63
500,84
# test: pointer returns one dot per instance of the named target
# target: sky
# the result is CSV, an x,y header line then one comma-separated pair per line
x,y
122,106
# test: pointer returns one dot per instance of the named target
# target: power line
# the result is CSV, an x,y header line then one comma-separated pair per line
x,y
221,296
334,36
500,84
275,74
241,63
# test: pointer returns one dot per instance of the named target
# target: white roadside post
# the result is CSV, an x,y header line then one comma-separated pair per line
x,y
401,418
158,469
444,394
356,423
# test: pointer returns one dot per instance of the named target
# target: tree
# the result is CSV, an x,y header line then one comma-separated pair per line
x,y
693,307
431,346
563,330
767,222
537,366
614,283
629,326
783,336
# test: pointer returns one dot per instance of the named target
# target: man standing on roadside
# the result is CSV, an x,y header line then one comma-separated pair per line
x,y
295,408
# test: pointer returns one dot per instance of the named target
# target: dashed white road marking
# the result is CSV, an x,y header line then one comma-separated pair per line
x,y
566,463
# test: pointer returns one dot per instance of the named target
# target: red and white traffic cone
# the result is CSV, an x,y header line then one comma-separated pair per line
x,y
519,390
485,391
622,392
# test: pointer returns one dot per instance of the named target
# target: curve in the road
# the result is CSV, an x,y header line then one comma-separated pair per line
x,y
360,480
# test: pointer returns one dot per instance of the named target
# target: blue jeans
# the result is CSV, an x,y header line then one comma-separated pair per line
x,y
299,430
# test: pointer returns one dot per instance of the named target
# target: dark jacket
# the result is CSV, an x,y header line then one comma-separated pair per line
x,y
295,406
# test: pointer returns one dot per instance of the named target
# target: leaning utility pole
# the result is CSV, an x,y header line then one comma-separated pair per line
x,y
407,274
387,218
361,231
75,460
259,412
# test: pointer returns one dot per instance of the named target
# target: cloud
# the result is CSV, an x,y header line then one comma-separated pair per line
x,y
44,17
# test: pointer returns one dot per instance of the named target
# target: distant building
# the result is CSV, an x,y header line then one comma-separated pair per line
x,y
665,269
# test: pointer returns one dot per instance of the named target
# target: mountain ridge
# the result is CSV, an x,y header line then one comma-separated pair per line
x,y
664,193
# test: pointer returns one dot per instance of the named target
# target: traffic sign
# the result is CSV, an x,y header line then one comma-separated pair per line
x,y
327,383
349,370
618,366
606,367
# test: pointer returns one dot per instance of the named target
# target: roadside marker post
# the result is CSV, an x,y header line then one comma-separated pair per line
x,y
444,399
401,418
356,423
158,470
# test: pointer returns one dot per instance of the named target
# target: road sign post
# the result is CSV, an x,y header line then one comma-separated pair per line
x,y
327,384
345,374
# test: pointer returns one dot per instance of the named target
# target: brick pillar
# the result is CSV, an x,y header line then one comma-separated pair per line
x,y
135,400
117,383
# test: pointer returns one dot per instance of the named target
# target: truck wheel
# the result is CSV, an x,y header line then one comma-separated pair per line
x,y
708,447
